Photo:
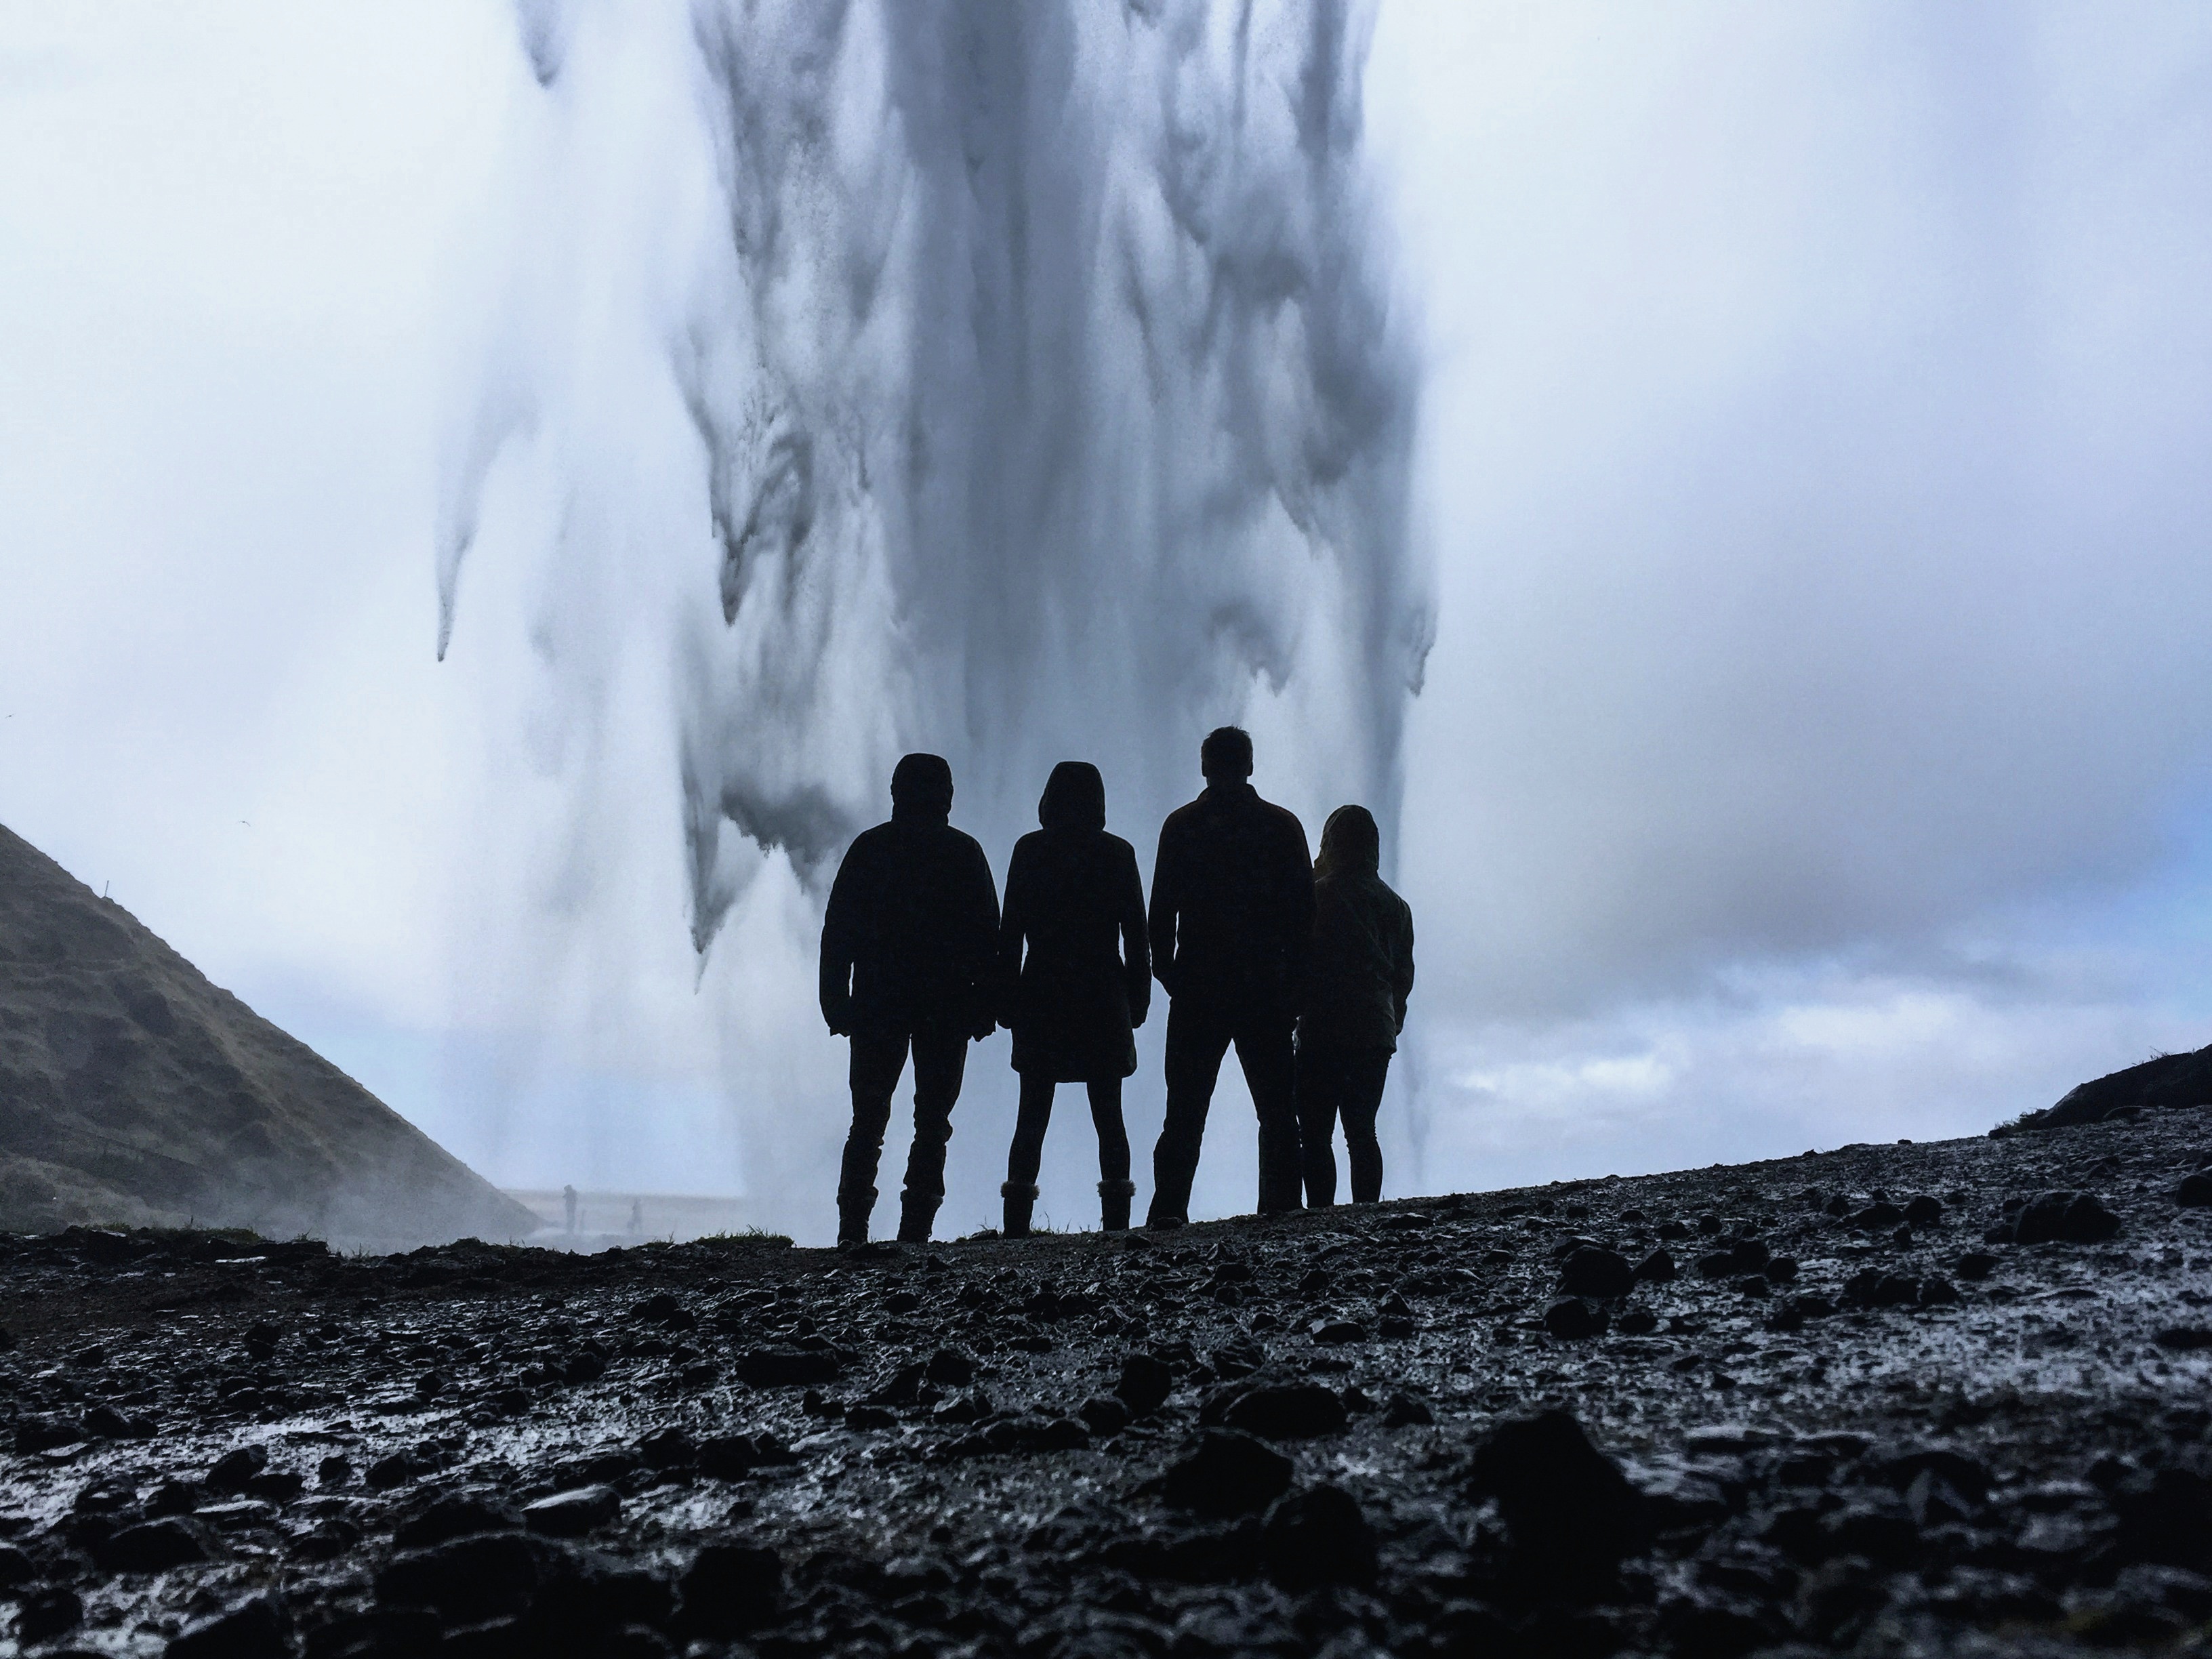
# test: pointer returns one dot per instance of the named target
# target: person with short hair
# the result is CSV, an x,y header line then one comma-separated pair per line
x,y
907,944
1358,974
1231,918
1075,973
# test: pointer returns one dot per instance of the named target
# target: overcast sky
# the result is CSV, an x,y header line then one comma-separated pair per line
x,y
1817,745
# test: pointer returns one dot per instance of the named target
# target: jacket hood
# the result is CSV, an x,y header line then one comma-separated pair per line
x,y
1350,843
1074,797
921,790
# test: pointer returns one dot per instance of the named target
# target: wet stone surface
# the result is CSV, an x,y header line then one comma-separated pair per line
x,y
1830,1403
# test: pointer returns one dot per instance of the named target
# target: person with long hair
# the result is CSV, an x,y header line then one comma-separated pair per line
x,y
1359,970
1075,973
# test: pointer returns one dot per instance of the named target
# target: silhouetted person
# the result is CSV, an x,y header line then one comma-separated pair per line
x,y
1359,973
1074,899
907,947
1231,915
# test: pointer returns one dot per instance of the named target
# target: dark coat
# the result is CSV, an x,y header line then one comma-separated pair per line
x,y
1074,899
1360,969
909,935
1232,905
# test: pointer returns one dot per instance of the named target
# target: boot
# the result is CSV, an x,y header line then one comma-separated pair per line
x,y
1020,1200
1114,1198
854,1210
916,1215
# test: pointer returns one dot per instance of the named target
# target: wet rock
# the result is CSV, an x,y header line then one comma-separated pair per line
x,y
254,1629
1570,1514
1146,1382
1230,1474
470,1579
864,1417
176,1498
2184,1338
1336,1333
237,1515
2064,1216
1874,1287
1105,1415
1657,1268
1318,1536
785,1367
457,1515
1877,1217
105,1423
1924,1210
1976,1265
1593,1270
1636,1321
1290,1410
951,1368
1880,1529
731,1588
44,1614
1571,1319
37,1434
2195,1191
728,1456
668,1448
574,1513
151,1546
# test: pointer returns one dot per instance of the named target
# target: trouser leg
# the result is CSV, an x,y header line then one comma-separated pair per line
x,y
1362,1096
1115,1189
1264,1051
1317,1094
941,1059
876,1063
1196,1043
1028,1151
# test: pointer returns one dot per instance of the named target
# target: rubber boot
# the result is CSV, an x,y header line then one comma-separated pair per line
x,y
1114,1198
1020,1201
854,1210
915,1215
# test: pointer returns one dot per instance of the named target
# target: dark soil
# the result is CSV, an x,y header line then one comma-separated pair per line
x,y
1809,1403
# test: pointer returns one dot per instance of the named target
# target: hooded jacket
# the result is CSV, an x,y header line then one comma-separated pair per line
x,y
1076,973
1360,968
913,919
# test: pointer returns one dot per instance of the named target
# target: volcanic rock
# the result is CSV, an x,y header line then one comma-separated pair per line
x,y
1146,1382
132,1091
1569,1512
254,1629
2071,1217
1318,1536
1290,1410
1593,1270
2168,1080
1230,1474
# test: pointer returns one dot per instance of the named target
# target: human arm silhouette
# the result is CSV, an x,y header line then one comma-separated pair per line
x,y
1013,923
1136,951
979,943
1402,979
1160,921
840,946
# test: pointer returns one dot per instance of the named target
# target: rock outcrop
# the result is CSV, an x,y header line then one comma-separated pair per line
x,y
133,1091
2164,1081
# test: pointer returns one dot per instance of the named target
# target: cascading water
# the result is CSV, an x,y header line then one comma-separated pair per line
x,y
1019,381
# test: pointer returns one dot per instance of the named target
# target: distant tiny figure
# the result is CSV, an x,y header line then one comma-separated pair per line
x,y
568,1203
1231,917
907,947
1074,899
1358,974
637,1215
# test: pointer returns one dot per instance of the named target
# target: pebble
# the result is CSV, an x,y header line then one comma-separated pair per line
x,y
574,1513
1570,1514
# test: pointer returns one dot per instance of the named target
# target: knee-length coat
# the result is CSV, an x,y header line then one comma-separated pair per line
x,y
1075,966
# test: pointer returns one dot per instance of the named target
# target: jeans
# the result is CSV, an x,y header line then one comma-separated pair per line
x,y
1347,1083
941,1059
1198,1038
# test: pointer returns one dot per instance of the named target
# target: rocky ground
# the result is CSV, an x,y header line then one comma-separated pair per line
x,y
1886,1400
